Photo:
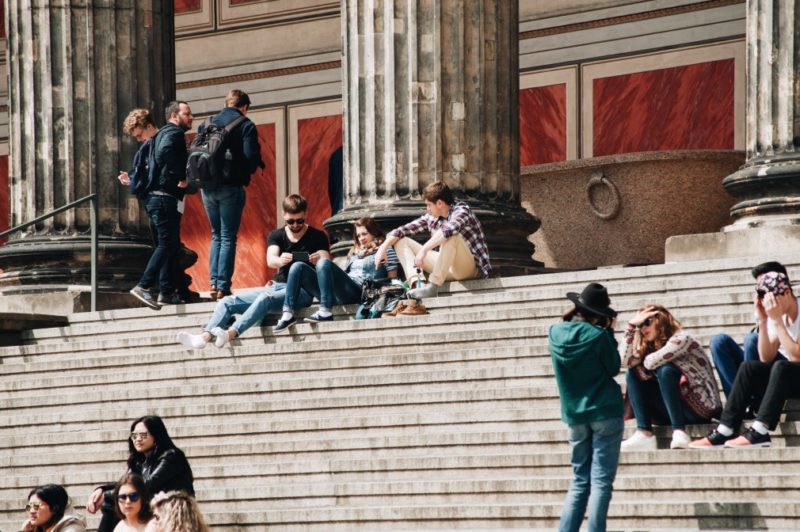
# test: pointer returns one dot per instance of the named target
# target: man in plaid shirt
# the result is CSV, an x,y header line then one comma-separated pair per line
x,y
457,233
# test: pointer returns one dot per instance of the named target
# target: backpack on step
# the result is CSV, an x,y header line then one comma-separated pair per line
x,y
144,175
208,165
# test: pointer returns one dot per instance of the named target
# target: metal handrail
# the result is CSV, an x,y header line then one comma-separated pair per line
x,y
92,199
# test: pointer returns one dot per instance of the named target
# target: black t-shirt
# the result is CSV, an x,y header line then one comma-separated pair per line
x,y
314,240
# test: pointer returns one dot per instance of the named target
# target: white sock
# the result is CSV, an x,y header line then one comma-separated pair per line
x,y
324,312
725,430
759,427
287,315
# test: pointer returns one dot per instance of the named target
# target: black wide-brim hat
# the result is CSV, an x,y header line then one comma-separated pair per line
x,y
594,298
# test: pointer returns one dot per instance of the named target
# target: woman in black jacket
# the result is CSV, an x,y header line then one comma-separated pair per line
x,y
155,458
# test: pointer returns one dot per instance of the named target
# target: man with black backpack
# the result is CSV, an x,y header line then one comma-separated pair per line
x,y
159,180
221,160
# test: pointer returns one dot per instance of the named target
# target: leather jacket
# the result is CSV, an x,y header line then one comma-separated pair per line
x,y
168,471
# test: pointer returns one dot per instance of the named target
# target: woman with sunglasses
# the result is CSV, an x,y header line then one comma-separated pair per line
x,y
49,510
333,285
133,505
669,380
154,457
175,511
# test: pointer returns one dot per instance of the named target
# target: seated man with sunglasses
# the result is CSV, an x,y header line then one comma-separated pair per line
x,y
770,380
297,241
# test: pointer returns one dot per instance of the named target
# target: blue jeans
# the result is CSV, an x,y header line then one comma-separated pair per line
x,y
165,222
252,307
595,456
224,208
728,356
661,397
328,282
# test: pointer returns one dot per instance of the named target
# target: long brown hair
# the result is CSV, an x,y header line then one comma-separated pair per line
x,y
372,228
145,513
666,325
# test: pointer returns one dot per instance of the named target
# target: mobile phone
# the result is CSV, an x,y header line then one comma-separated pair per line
x,y
300,256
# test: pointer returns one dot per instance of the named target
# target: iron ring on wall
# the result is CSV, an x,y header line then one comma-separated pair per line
x,y
612,210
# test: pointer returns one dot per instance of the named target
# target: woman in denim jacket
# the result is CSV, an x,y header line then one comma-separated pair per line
x,y
333,285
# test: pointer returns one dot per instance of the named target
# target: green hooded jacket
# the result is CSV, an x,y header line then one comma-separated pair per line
x,y
585,360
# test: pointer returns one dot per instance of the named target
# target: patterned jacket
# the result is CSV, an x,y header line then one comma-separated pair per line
x,y
698,387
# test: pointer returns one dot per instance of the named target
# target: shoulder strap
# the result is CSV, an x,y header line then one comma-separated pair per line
x,y
235,123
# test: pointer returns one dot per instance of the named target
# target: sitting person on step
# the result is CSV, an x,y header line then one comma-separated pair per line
x,y
333,285
154,457
286,246
50,510
726,353
669,377
770,380
457,233
133,505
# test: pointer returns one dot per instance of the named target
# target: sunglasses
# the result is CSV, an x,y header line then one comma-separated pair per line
x,y
295,221
33,506
139,435
133,497
648,322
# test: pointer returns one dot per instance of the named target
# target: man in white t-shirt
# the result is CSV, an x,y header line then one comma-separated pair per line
x,y
773,380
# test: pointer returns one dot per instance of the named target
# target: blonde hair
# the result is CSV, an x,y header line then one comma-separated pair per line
x,y
666,325
137,118
178,512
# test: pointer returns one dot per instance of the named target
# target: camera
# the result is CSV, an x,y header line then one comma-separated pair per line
x,y
760,292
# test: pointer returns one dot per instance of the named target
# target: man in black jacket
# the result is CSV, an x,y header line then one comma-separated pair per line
x,y
224,205
164,205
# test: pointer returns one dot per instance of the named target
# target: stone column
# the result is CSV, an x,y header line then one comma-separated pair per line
x,y
768,185
431,94
76,68
766,217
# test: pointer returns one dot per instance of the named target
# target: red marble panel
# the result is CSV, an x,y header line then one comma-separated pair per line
x,y
258,219
687,107
317,139
5,212
543,124
188,6
2,20
242,2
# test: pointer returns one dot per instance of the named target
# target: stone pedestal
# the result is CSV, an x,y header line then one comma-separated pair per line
x,y
75,71
767,213
431,94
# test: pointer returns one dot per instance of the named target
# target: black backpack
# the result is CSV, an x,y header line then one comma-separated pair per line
x,y
144,175
208,165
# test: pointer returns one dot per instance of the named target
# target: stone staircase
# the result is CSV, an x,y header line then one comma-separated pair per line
x,y
438,422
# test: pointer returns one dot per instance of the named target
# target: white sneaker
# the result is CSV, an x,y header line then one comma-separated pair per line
x,y
640,442
192,341
680,440
220,337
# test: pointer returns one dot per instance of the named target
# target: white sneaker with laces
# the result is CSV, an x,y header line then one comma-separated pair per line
x,y
640,442
680,440
192,341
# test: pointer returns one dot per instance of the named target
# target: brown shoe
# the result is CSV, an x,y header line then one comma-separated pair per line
x,y
212,294
414,309
397,310
222,293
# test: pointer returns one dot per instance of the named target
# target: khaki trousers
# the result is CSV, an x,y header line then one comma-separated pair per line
x,y
453,262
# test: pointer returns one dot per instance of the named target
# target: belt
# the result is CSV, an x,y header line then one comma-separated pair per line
x,y
161,193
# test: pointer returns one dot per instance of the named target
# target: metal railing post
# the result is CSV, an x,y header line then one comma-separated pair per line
x,y
93,221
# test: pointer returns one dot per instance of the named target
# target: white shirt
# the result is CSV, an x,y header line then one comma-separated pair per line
x,y
794,330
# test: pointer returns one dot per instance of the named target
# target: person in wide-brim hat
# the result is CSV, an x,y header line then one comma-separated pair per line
x,y
594,298
585,361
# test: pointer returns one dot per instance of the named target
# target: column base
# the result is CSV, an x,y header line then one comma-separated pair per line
x,y
58,264
762,242
506,228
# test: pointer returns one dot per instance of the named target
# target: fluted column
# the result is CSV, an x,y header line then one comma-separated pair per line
x,y
768,185
431,94
76,68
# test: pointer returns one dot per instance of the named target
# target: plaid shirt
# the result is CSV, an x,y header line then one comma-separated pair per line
x,y
460,220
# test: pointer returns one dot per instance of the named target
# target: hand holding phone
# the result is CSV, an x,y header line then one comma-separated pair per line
x,y
300,256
